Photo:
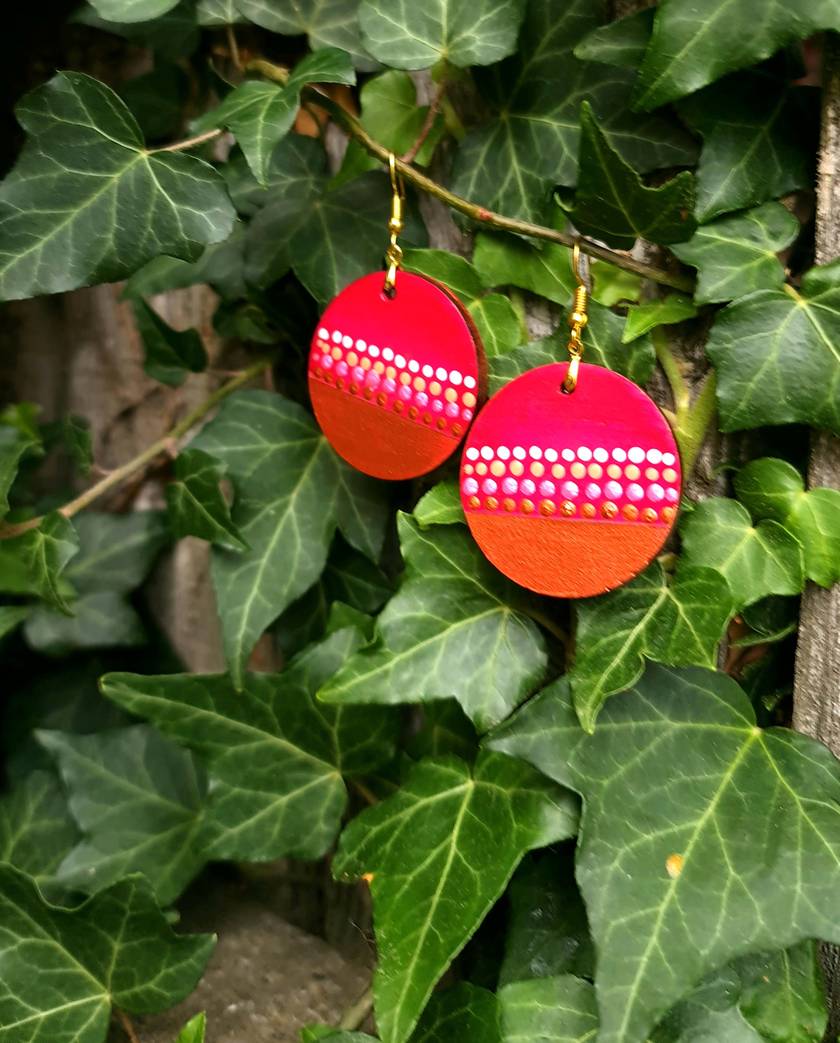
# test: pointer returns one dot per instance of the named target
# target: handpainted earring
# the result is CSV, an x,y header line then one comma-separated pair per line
x,y
395,367
570,478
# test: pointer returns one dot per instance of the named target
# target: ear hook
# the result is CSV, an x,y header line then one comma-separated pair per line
x,y
394,254
578,318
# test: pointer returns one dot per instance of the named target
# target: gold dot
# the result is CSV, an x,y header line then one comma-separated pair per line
x,y
379,367
609,509
614,471
382,398
669,474
352,358
588,510
413,412
456,429
491,503
547,507
668,514
354,389
558,471
405,378
419,384
509,504
649,514
674,865
474,502
427,419
517,467
368,392
441,424
568,508
651,474
497,468
390,372
434,387
468,468
630,512
578,470
365,362
451,395
481,467
319,372
339,383
527,507
537,469
468,398
336,353
596,471
632,472
398,406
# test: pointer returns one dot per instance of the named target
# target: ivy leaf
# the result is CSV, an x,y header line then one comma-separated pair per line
x,y
506,260
36,827
276,756
407,36
87,202
611,285
260,114
326,23
133,10
292,491
35,561
441,505
666,311
390,114
218,12
169,354
612,202
173,36
14,445
759,139
678,622
512,162
736,255
690,48
561,1009
193,1031
783,996
196,504
774,489
104,619
455,629
741,852
756,562
776,355
138,801
157,99
440,852
11,616
115,948
622,42
464,1012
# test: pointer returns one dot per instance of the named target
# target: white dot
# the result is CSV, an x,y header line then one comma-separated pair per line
x,y
535,452
336,337
441,373
601,455
654,456
568,455
487,452
428,371
472,453
519,452
503,452
414,365
551,455
361,345
619,456
636,454
387,354
584,453
399,362
469,382
323,333
347,342
455,377
668,459
373,351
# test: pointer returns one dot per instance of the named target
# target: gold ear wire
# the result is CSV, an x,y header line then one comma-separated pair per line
x,y
578,318
394,254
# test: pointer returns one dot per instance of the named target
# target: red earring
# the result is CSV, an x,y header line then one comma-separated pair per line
x,y
570,478
394,367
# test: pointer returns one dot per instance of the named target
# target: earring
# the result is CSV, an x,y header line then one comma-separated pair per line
x,y
570,478
394,367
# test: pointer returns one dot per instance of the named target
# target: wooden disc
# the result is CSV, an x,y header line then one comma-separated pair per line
x,y
394,381
570,494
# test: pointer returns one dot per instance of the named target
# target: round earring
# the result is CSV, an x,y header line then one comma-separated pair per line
x,y
570,478
395,367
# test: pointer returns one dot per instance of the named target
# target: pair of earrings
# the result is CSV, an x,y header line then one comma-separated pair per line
x,y
570,475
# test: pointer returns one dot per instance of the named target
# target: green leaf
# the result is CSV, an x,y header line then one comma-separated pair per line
x,y
88,203
783,996
552,1010
622,42
736,255
196,504
774,489
138,801
411,36
260,114
666,311
193,1031
506,260
614,204
710,1011
512,162
277,758
292,491
390,114
678,622
777,357
116,948
464,1012
157,99
133,10
326,23
455,629
11,616
441,505
440,851
218,12
691,47
104,619
759,138
173,35
36,560
14,445
756,561
445,729
169,354
740,851
611,285
36,827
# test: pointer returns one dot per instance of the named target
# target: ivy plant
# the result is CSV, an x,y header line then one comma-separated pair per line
x,y
577,821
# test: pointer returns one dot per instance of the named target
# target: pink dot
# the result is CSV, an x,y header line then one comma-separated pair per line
x,y
593,491
634,491
467,414
358,374
342,369
327,362
509,485
655,493
389,385
671,495
452,409
372,380
437,406
547,488
404,393
612,490
470,486
528,488
569,490
489,485
422,399
314,357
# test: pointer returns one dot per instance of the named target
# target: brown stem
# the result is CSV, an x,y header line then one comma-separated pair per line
x,y
137,463
128,1026
428,123
356,1015
233,46
181,146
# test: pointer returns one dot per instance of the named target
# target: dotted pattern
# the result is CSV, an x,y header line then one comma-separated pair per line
x,y
633,484
437,397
